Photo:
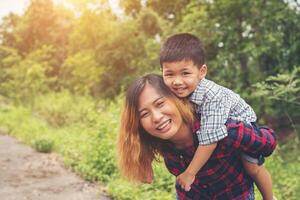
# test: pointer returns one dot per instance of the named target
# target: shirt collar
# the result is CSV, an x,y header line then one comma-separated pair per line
x,y
198,94
168,146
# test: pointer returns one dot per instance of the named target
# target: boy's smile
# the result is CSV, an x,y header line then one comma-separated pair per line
x,y
182,77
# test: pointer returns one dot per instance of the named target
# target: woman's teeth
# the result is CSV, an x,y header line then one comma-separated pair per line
x,y
164,124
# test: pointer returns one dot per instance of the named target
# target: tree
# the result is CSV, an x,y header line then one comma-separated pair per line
x,y
119,47
24,77
283,93
80,73
245,40
7,30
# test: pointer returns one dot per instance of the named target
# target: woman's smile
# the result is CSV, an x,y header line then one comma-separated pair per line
x,y
158,116
164,126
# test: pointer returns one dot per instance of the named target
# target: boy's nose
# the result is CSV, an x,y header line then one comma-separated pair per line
x,y
177,81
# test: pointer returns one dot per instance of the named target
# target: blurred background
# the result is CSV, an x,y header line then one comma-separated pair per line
x,y
64,65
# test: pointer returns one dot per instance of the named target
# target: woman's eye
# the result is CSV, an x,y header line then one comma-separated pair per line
x,y
160,103
144,114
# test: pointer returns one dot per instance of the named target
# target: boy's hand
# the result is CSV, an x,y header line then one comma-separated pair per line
x,y
185,180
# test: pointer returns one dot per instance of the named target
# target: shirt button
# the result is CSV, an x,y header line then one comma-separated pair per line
x,y
181,156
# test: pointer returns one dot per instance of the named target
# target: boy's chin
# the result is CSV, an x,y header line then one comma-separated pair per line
x,y
182,96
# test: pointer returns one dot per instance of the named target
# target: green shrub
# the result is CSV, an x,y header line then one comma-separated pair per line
x,y
43,145
99,162
63,109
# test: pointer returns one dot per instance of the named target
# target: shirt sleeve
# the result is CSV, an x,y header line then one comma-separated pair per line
x,y
214,115
250,139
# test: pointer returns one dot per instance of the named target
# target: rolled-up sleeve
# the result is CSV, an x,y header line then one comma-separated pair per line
x,y
213,118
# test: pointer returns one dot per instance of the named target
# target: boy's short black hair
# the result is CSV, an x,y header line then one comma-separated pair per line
x,y
183,46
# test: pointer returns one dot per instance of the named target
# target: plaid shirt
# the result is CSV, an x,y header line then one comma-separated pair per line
x,y
215,104
223,176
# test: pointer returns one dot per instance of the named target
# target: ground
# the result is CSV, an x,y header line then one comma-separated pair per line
x,y
28,175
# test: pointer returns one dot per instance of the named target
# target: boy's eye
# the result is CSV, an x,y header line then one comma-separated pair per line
x,y
167,73
186,73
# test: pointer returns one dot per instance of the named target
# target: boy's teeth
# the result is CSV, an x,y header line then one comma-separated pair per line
x,y
180,89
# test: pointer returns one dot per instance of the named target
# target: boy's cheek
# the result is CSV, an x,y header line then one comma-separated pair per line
x,y
165,79
168,83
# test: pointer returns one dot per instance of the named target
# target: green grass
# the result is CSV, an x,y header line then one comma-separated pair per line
x,y
84,132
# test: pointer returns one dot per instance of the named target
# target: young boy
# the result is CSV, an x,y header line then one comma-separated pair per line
x,y
183,66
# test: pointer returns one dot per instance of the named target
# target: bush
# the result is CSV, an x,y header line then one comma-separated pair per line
x,y
63,109
43,145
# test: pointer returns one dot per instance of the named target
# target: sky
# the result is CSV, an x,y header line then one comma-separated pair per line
x,y
18,6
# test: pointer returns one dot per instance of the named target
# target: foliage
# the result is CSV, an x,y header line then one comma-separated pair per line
x,y
243,40
100,160
26,77
246,42
62,109
79,73
284,168
43,145
8,27
283,92
42,25
282,87
116,46
148,22
52,58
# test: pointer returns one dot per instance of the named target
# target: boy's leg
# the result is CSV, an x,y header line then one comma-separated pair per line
x,y
260,175
255,143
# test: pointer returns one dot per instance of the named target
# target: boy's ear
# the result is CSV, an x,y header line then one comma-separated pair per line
x,y
203,71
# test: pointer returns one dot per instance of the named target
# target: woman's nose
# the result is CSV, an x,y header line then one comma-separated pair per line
x,y
157,116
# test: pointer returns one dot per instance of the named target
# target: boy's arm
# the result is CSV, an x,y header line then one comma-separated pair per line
x,y
201,156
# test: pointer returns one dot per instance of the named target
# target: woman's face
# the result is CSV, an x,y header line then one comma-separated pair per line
x,y
159,116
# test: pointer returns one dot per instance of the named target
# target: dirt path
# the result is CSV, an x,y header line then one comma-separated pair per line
x,y
28,175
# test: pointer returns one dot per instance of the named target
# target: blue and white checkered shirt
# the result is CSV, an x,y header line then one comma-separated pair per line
x,y
214,104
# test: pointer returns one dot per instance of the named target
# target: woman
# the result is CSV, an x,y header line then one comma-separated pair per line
x,y
154,122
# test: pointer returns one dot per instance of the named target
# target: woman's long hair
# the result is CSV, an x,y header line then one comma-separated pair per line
x,y
136,148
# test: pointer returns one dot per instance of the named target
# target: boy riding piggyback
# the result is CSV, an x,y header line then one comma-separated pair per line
x,y
184,70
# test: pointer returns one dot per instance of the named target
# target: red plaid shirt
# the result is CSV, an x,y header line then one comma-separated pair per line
x,y
223,176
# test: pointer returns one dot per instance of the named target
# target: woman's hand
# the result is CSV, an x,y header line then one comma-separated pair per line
x,y
185,180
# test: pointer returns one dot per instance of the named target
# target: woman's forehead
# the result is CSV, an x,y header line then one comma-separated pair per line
x,y
149,95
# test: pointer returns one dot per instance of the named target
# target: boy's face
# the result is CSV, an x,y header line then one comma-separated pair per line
x,y
182,77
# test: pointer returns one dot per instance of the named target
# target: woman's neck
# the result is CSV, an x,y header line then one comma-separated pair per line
x,y
184,137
